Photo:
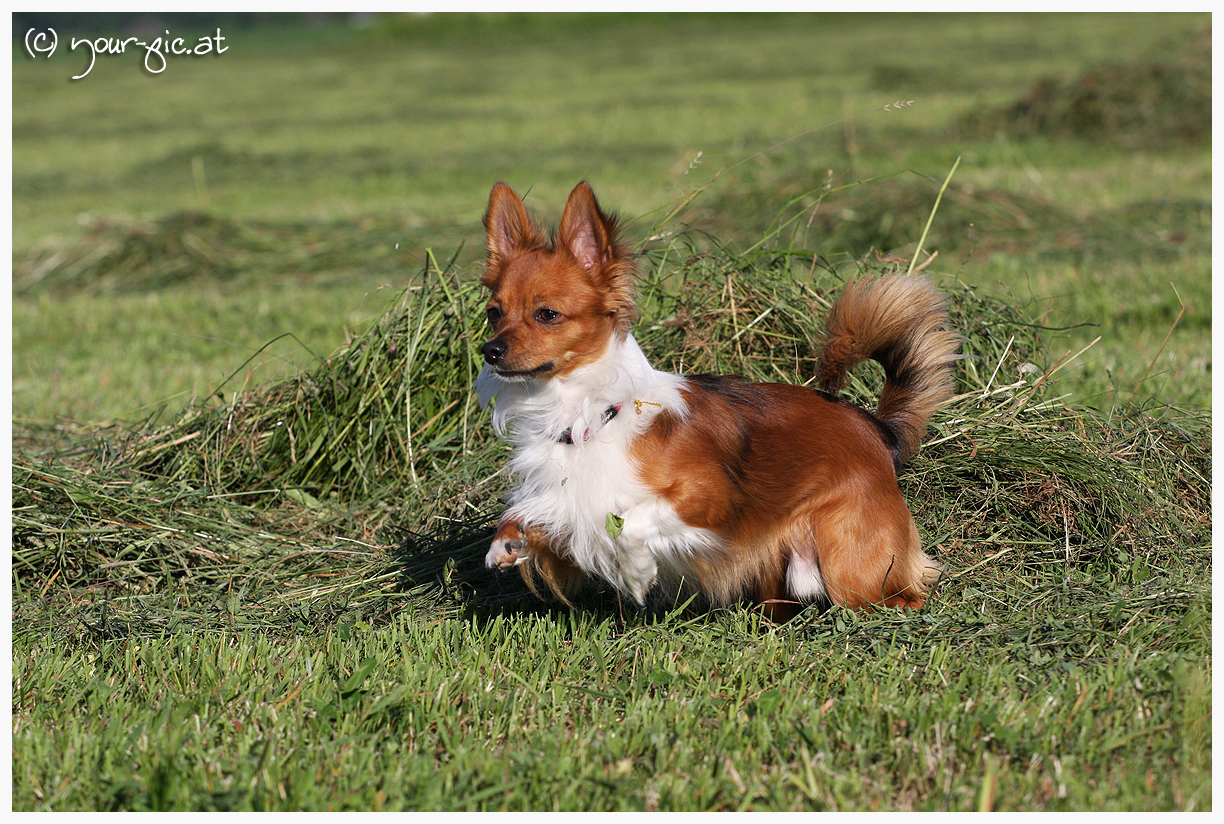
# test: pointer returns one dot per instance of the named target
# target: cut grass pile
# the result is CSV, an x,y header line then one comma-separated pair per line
x,y
1012,473
1137,105
367,422
193,247
975,223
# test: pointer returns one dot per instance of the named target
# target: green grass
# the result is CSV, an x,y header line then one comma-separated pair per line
x,y
576,711
251,489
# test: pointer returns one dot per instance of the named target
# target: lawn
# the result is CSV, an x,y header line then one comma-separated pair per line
x,y
251,488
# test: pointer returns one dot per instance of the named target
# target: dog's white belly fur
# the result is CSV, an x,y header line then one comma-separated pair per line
x,y
568,490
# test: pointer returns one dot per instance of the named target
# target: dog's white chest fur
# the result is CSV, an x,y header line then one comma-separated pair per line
x,y
585,489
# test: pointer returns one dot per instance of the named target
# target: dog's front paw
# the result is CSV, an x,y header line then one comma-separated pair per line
x,y
505,554
508,548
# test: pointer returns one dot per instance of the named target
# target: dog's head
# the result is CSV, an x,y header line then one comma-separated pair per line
x,y
556,302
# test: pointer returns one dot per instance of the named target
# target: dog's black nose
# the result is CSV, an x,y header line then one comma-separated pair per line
x,y
494,351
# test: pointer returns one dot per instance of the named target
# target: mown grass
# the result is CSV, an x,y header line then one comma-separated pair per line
x,y
577,711
259,585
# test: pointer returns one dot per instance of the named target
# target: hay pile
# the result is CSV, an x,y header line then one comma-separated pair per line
x,y
1136,105
197,247
307,487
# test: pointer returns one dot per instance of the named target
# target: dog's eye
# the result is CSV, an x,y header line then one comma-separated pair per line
x,y
493,314
546,315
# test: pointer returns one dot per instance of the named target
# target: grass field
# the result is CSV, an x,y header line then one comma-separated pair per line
x,y
251,487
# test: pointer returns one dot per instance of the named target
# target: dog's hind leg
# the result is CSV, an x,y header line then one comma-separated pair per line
x,y
863,555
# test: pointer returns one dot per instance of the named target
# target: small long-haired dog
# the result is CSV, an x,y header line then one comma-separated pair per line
x,y
781,493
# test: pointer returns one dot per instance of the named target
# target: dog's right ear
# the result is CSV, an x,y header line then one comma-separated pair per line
x,y
507,224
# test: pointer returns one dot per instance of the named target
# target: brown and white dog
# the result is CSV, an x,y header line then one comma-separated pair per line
x,y
780,493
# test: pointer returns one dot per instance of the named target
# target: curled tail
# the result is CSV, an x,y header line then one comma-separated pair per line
x,y
899,321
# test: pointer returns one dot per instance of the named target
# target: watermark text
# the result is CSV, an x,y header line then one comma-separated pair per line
x,y
44,42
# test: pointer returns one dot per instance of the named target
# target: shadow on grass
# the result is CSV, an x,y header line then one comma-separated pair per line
x,y
447,563
448,566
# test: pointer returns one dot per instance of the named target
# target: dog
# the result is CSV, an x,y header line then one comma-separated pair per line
x,y
653,481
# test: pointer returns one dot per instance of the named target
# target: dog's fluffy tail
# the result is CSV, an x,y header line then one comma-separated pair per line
x,y
899,321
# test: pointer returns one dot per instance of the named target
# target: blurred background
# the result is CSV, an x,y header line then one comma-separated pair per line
x,y
176,215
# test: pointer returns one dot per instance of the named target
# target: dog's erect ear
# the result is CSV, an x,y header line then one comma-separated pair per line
x,y
585,230
507,224
593,238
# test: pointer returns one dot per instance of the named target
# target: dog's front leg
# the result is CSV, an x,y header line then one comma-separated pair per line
x,y
533,551
515,543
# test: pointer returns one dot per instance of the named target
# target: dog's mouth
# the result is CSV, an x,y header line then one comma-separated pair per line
x,y
522,374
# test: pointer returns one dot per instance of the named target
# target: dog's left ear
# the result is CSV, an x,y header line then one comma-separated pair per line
x,y
593,238
585,230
